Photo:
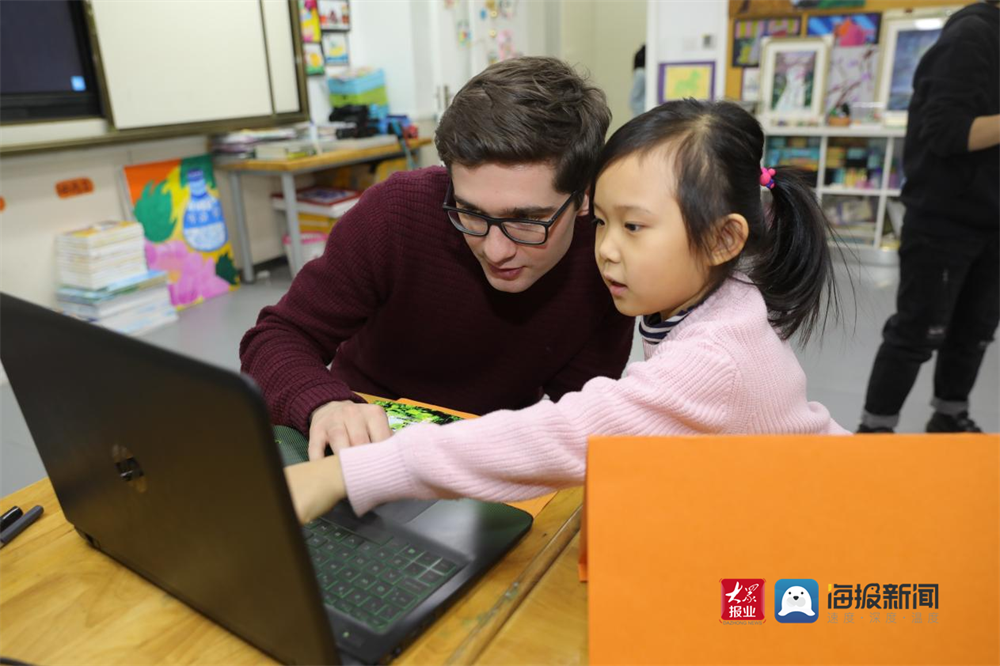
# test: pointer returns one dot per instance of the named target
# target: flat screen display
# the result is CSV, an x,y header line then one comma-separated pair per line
x,y
45,61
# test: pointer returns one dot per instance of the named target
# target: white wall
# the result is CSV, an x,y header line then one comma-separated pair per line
x,y
686,30
577,34
621,30
600,37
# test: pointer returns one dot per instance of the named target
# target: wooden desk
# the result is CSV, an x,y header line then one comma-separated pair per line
x,y
287,170
550,627
63,602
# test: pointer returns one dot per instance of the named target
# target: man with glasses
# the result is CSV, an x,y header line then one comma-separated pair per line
x,y
471,286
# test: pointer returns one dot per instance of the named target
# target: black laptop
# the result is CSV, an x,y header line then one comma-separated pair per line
x,y
169,465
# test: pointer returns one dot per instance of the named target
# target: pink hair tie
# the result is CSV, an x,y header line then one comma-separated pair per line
x,y
767,178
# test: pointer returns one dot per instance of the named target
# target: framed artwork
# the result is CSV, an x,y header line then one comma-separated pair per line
x,y
905,42
847,29
793,78
747,35
750,85
335,48
678,80
853,73
334,15
313,55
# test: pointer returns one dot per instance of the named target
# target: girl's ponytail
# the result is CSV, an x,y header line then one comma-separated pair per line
x,y
790,261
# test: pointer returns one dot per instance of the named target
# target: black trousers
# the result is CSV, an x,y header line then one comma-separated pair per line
x,y
948,302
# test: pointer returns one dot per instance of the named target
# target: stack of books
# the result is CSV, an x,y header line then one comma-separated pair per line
x,y
319,208
323,143
242,145
100,255
133,306
104,279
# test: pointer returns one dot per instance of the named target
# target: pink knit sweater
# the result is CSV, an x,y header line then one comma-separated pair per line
x,y
721,370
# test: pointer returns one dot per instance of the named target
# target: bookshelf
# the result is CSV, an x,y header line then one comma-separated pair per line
x,y
857,174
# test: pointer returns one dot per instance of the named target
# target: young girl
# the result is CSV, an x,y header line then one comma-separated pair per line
x,y
683,240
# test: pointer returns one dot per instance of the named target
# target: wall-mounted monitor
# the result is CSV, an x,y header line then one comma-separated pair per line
x,y
46,67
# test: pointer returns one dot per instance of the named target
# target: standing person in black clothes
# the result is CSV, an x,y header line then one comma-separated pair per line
x,y
949,257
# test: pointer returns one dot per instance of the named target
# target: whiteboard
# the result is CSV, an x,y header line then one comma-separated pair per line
x,y
180,61
281,55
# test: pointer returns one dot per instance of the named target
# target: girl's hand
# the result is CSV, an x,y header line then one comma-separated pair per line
x,y
315,486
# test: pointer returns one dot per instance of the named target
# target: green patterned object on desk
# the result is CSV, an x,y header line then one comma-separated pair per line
x,y
294,446
401,415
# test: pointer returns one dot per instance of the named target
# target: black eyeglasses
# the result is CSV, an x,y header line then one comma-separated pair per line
x,y
525,232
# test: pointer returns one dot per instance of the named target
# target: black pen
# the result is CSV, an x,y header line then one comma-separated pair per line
x,y
8,534
9,517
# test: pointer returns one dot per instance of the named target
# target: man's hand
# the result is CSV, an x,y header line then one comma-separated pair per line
x,y
344,423
315,487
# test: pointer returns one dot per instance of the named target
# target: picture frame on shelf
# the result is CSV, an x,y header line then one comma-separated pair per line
x,y
905,40
748,33
852,79
750,84
680,80
312,54
335,51
793,73
334,15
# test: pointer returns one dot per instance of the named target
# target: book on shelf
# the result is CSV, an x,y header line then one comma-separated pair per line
x,y
100,255
322,224
324,201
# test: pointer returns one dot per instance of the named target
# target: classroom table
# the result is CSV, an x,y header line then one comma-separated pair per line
x,y
61,601
287,170
550,626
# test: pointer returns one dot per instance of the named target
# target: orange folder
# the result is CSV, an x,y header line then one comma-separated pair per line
x,y
867,519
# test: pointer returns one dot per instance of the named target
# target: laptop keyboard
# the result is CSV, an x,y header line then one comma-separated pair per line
x,y
371,583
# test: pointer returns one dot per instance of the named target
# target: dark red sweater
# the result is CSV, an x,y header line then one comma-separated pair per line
x,y
402,308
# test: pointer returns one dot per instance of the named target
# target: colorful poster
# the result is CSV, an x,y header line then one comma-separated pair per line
x,y
679,80
747,36
177,203
309,19
847,29
313,55
335,48
852,77
334,15
505,45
